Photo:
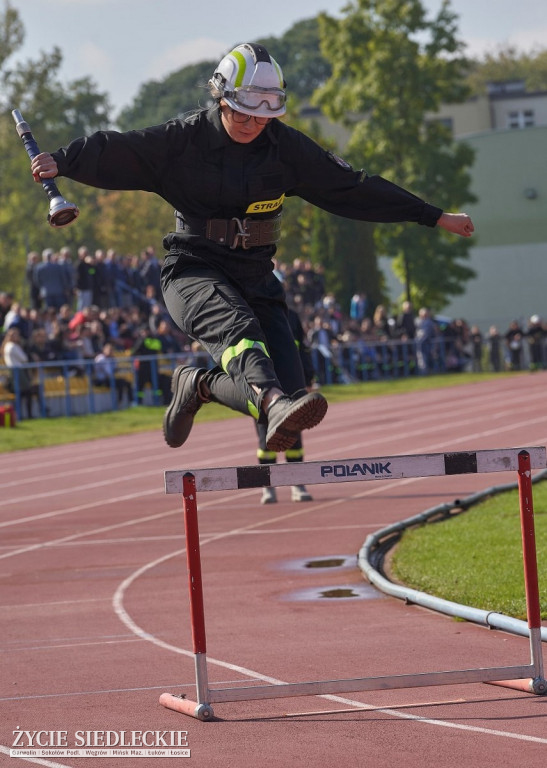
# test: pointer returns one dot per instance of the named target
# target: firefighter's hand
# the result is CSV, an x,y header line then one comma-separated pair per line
x,y
43,166
458,223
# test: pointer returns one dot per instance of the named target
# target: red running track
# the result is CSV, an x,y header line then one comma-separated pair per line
x,y
95,615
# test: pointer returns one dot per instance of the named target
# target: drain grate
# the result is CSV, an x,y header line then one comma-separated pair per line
x,y
332,562
330,593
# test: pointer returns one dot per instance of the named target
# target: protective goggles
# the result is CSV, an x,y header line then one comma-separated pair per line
x,y
252,97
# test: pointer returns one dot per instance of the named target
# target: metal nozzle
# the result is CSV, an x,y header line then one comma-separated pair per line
x,y
61,212
21,126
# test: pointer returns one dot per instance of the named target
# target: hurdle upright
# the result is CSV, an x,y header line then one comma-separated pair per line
x,y
527,677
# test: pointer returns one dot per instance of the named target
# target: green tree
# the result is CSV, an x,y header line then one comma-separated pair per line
x,y
56,114
395,67
180,92
129,221
345,248
298,54
296,233
508,63
342,247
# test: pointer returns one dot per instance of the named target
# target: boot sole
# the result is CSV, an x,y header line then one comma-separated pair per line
x,y
305,415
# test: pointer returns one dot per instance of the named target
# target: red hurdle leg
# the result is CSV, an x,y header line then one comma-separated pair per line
x,y
193,558
201,709
537,684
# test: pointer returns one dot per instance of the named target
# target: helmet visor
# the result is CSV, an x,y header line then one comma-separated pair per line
x,y
252,97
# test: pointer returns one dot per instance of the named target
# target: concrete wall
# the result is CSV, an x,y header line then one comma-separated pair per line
x,y
471,116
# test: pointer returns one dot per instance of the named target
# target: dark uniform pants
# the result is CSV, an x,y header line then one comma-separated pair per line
x,y
242,325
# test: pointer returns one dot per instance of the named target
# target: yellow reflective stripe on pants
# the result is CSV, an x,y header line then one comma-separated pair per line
x,y
296,454
232,352
266,455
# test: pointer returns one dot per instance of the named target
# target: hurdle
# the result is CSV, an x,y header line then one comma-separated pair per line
x,y
526,677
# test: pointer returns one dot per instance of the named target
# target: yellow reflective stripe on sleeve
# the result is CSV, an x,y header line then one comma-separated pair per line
x,y
263,206
232,352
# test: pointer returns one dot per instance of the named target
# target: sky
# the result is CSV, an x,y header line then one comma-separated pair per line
x,y
122,44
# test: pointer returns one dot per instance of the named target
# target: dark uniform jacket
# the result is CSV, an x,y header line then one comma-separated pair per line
x,y
194,165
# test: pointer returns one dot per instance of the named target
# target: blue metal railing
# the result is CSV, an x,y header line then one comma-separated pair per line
x,y
378,360
68,387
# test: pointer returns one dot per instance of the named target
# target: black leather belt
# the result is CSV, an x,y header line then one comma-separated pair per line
x,y
234,233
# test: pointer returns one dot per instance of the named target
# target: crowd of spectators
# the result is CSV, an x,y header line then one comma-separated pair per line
x,y
89,309
371,330
92,306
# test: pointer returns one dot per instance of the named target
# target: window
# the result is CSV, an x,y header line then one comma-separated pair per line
x,y
520,118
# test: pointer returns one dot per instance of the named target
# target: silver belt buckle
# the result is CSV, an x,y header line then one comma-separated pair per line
x,y
242,234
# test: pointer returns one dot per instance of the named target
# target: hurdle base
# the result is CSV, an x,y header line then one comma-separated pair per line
x,y
537,685
187,707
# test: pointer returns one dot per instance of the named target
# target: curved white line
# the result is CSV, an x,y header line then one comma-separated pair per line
x,y
35,760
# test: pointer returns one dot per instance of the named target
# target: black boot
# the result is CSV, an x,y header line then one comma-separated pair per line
x,y
186,402
288,417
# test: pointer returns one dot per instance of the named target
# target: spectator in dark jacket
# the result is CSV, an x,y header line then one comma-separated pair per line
x,y
148,348
513,341
406,323
535,334
85,271
33,259
494,342
52,281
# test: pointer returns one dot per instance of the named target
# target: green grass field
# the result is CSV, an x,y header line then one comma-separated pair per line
x,y
474,558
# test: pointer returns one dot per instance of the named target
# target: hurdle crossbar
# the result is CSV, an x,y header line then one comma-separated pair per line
x,y
353,470
525,677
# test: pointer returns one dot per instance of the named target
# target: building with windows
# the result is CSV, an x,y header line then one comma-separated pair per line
x,y
504,106
507,128
509,252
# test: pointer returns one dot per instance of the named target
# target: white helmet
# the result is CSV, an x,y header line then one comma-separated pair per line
x,y
250,81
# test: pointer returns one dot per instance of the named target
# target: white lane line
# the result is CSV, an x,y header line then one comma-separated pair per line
x,y
116,526
378,708
35,760
52,646
83,534
420,420
447,444
445,723
108,691
78,507
80,488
